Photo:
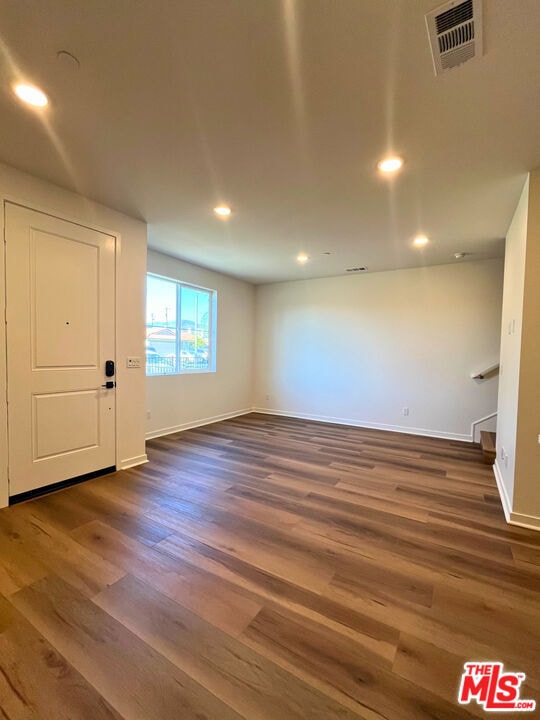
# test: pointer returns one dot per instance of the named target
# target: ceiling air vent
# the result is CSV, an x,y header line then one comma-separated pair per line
x,y
455,33
361,268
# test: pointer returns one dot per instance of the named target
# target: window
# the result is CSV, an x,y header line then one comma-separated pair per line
x,y
180,327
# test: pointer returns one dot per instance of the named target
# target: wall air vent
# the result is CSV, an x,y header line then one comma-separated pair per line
x,y
361,268
455,33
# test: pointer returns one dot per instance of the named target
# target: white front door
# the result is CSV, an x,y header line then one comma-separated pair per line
x,y
60,312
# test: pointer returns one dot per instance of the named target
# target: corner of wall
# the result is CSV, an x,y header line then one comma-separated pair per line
x,y
505,500
132,462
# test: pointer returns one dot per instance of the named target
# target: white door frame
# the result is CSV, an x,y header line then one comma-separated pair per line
x,y
4,198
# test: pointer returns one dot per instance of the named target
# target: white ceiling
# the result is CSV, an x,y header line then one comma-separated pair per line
x,y
280,108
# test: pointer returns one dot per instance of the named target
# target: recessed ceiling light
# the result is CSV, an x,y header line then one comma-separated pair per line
x,y
302,258
222,211
420,241
390,164
31,95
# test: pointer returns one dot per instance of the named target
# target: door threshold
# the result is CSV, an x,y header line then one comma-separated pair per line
x,y
38,492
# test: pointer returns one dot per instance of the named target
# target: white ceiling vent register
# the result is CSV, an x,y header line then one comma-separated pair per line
x,y
455,33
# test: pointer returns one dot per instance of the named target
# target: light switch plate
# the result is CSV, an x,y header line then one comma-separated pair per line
x,y
133,362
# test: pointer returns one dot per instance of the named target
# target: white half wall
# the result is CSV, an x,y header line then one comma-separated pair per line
x,y
527,478
511,324
130,306
518,428
176,402
359,349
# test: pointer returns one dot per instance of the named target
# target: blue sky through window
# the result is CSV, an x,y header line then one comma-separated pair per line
x,y
161,304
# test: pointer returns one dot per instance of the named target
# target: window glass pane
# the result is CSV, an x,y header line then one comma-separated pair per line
x,y
195,321
161,326
180,327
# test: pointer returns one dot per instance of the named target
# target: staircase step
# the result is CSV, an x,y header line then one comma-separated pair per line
x,y
488,444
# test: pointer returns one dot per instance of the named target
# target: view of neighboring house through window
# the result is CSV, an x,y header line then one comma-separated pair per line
x,y
180,327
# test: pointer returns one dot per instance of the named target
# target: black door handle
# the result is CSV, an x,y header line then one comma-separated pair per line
x,y
110,384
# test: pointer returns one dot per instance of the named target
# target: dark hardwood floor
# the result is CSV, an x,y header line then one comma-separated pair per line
x,y
268,569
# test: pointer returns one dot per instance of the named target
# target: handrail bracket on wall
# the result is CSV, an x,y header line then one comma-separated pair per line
x,y
488,372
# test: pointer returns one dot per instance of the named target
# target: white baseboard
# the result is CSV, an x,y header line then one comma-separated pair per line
x,y
196,423
131,462
505,500
531,522
365,424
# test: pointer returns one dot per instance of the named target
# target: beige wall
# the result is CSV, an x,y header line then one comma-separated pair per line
x,y
131,268
360,349
176,402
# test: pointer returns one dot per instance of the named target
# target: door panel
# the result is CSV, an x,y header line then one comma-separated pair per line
x,y
60,331
70,316
82,408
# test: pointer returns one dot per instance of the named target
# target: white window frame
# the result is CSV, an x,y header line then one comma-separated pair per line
x,y
212,327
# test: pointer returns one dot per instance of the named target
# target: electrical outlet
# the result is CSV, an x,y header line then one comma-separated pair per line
x,y
148,415
405,411
267,397
133,362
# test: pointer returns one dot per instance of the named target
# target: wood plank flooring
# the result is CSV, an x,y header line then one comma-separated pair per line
x,y
267,568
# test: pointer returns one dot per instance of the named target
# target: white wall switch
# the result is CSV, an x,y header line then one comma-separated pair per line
x,y
133,362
